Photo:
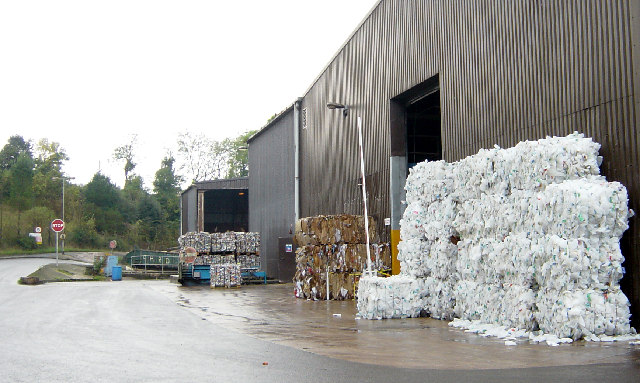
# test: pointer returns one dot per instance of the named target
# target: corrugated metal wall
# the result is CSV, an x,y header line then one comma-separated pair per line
x,y
509,70
189,210
271,187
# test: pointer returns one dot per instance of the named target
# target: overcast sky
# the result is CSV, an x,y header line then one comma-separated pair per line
x,y
88,74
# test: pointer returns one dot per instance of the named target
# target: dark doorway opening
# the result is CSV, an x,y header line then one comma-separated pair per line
x,y
226,210
424,137
416,131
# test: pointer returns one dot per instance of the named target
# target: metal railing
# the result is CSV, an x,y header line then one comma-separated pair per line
x,y
162,262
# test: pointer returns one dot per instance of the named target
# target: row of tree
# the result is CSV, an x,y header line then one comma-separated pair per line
x,y
31,178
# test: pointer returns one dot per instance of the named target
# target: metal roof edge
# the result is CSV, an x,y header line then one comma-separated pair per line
x,y
269,124
313,83
220,180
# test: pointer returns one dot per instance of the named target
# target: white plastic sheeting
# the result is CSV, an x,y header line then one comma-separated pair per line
x,y
525,238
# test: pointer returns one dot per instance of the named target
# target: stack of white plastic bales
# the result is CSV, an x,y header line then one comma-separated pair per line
x,y
526,237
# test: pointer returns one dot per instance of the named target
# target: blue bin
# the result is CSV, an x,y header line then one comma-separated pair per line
x,y
116,273
112,260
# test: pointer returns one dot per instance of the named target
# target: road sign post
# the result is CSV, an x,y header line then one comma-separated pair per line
x,y
57,225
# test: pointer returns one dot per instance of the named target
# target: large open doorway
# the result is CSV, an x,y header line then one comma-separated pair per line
x,y
226,210
416,131
424,137
416,136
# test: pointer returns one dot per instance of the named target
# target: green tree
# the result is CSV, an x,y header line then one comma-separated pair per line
x,y
21,185
126,153
133,192
166,187
101,192
10,153
15,146
83,233
47,178
50,156
238,155
102,202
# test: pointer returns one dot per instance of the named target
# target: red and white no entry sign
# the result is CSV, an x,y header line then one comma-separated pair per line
x,y
57,225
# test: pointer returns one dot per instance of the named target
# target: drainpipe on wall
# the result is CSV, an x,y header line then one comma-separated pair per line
x,y
296,158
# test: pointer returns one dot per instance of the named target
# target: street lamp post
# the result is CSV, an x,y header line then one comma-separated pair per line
x,y
63,179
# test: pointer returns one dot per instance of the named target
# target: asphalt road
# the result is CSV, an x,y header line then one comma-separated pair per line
x,y
129,332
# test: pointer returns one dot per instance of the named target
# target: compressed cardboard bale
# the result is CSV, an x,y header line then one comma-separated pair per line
x,y
334,244
334,229
338,286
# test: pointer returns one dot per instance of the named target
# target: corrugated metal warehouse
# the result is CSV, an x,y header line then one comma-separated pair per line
x,y
441,79
272,201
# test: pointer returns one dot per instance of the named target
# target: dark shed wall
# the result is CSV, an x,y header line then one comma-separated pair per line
x,y
271,187
508,70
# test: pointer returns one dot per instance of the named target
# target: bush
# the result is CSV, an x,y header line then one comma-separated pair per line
x,y
26,243
84,233
98,264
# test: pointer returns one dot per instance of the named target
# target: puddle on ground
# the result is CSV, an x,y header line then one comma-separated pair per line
x,y
273,314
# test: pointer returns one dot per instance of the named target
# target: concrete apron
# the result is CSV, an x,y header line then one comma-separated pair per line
x,y
331,329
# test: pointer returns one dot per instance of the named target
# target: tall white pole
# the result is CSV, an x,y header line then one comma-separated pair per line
x,y
62,198
57,233
62,211
364,196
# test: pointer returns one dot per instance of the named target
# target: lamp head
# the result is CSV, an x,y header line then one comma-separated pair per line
x,y
335,105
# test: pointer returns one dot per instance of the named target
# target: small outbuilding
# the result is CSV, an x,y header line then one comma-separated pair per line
x,y
215,206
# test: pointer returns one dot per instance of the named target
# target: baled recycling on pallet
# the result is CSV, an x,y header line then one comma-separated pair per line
x,y
224,248
248,261
200,241
224,242
221,243
226,275
526,237
248,243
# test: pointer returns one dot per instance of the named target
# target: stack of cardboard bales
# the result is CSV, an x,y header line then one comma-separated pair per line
x,y
337,245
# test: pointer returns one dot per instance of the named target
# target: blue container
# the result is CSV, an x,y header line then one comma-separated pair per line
x,y
112,260
116,273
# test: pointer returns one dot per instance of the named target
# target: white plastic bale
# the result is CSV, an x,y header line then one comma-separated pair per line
x,y
393,297
580,313
531,220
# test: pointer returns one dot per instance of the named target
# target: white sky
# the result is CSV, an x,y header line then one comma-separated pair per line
x,y
88,73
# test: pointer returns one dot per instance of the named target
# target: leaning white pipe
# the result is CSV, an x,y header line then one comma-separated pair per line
x,y
364,196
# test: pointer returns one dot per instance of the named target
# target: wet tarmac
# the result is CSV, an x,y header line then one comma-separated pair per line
x,y
331,328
